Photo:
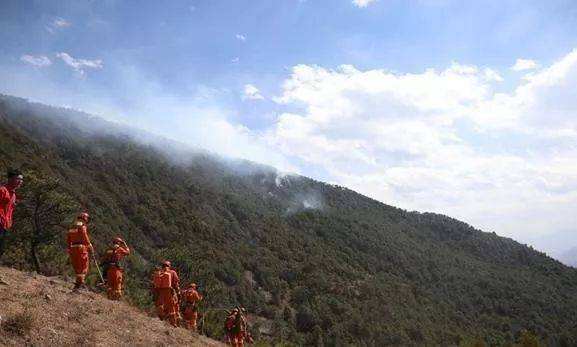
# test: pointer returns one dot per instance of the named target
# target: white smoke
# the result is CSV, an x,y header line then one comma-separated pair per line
x,y
307,201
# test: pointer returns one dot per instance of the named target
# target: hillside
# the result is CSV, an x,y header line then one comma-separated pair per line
x,y
43,311
320,264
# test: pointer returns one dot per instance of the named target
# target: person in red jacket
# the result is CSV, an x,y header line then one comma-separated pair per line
x,y
166,290
191,297
8,202
79,248
112,268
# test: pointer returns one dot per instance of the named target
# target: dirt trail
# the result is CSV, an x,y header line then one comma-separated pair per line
x,y
51,315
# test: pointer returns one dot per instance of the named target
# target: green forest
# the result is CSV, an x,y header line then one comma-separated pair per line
x,y
315,264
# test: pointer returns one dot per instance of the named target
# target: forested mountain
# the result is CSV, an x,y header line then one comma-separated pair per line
x,y
318,264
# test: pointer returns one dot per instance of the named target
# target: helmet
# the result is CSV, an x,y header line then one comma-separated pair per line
x,y
166,263
83,216
117,240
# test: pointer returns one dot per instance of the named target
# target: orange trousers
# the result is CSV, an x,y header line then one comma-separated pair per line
x,y
114,280
167,305
190,317
238,339
80,260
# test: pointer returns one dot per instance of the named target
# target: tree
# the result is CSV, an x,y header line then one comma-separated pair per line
x,y
43,211
528,339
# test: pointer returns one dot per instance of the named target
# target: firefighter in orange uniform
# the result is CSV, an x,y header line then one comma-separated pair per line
x,y
166,290
240,328
236,328
229,326
79,247
112,268
191,298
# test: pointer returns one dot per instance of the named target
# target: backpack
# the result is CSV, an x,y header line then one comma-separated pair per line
x,y
163,279
239,324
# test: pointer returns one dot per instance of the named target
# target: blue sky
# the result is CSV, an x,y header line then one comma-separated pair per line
x,y
465,108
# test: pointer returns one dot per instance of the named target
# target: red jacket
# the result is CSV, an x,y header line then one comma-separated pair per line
x,y
7,202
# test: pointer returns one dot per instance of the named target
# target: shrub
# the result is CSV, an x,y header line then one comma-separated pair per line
x,y
19,324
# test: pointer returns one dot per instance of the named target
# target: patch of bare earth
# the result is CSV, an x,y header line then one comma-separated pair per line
x,y
43,311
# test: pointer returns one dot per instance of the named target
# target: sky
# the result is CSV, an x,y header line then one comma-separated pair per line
x,y
465,108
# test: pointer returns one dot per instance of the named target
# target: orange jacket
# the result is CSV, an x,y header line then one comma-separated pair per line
x,y
78,235
191,296
175,280
7,203
114,255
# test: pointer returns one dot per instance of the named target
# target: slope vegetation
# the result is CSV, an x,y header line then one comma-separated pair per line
x,y
319,263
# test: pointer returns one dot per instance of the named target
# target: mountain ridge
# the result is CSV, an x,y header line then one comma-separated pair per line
x,y
317,269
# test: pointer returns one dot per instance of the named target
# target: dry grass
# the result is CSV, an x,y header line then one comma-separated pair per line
x,y
20,324
44,311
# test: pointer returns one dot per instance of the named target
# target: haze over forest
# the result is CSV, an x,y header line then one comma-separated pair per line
x,y
464,109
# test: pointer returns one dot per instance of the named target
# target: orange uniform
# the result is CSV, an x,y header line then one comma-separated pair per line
x,y
228,327
166,289
7,203
114,272
78,248
191,299
236,328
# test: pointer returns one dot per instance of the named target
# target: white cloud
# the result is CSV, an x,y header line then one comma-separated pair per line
x,y
362,3
251,93
57,24
492,75
80,65
524,64
38,61
235,60
240,37
441,140
61,23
